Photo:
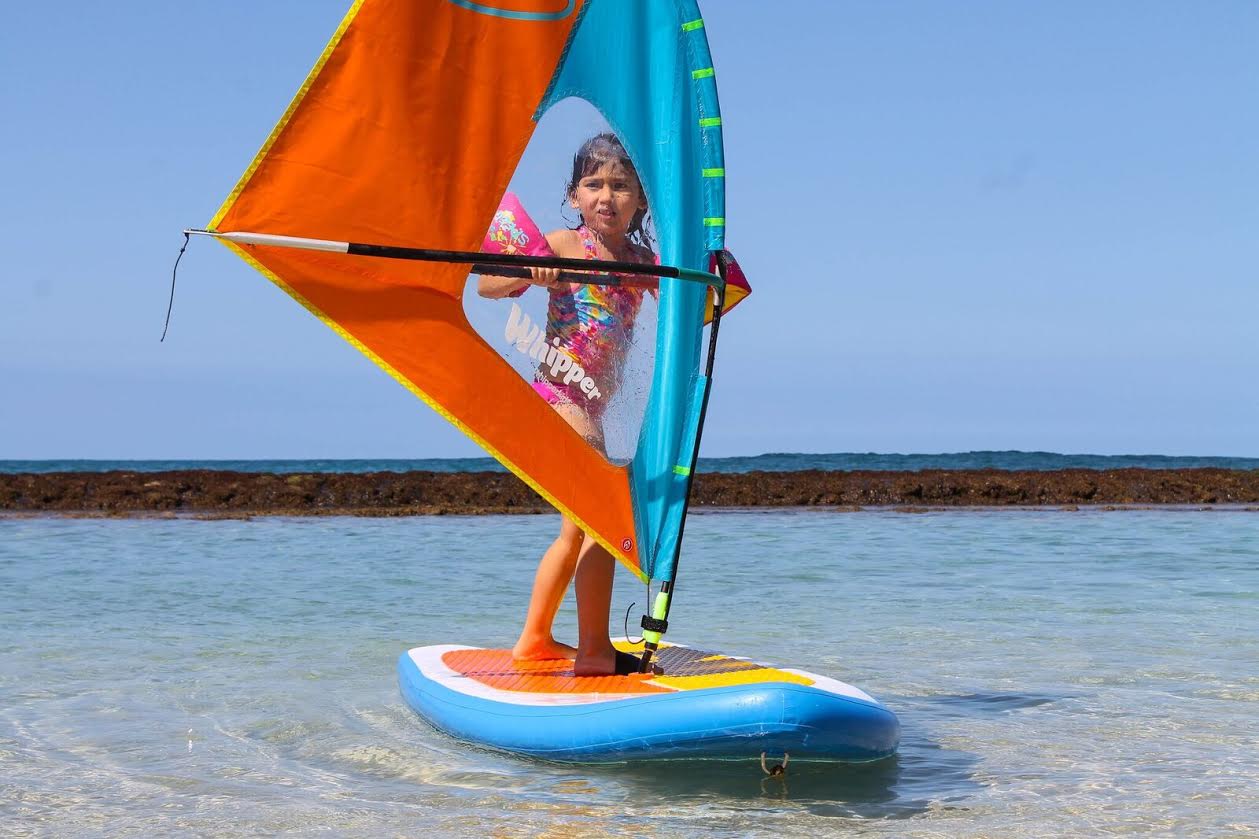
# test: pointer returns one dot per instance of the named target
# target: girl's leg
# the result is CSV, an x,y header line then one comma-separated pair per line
x,y
582,423
555,571
595,654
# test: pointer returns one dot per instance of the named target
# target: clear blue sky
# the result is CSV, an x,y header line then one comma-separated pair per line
x,y
970,226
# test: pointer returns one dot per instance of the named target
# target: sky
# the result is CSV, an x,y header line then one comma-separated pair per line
x,y
968,226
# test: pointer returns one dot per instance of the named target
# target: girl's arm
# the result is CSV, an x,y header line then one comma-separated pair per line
x,y
495,287
561,242
648,257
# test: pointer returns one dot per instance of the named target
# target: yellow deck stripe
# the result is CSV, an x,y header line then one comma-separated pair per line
x,y
758,675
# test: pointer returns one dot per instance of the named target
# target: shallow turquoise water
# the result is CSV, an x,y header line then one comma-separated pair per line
x,y
1054,672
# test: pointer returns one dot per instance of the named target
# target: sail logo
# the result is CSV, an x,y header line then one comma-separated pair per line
x,y
497,10
530,339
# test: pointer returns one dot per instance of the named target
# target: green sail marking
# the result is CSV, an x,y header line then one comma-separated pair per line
x,y
706,73
713,173
691,26
710,122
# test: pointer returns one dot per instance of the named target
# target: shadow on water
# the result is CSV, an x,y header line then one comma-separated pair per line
x,y
972,704
868,790
922,773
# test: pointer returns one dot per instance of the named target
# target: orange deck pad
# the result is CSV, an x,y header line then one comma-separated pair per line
x,y
497,669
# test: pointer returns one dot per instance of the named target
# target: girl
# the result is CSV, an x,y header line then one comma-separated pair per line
x,y
594,325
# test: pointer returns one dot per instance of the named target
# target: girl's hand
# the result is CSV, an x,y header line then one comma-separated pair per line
x,y
546,277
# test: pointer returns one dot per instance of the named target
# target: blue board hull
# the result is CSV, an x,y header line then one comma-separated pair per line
x,y
736,722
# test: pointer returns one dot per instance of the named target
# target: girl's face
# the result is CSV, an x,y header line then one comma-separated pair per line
x,y
607,199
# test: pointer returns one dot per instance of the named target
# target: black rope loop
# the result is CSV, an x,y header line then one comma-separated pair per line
x,y
171,304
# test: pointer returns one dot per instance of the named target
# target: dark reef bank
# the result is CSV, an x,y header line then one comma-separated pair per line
x,y
225,493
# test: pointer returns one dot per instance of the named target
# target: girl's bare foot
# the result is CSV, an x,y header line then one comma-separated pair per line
x,y
544,649
610,662
599,663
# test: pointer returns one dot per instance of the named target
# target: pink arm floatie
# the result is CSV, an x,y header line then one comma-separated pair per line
x,y
513,232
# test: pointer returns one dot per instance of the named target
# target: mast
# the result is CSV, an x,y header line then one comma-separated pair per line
x,y
655,624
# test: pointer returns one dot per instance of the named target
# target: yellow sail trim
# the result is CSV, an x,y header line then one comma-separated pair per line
x,y
409,385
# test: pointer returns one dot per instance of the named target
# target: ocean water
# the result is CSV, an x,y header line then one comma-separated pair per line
x,y
1055,673
774,462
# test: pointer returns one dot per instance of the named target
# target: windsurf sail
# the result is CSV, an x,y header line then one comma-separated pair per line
x,y
400,145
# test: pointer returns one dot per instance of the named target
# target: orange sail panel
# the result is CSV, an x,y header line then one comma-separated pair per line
x,y
407,133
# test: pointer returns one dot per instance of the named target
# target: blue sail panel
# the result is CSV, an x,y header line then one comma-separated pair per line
x,y
647,68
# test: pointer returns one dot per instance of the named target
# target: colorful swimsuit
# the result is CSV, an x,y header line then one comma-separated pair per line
x,y
594,325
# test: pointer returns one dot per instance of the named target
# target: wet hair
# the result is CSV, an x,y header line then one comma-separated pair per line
x,y
597,152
